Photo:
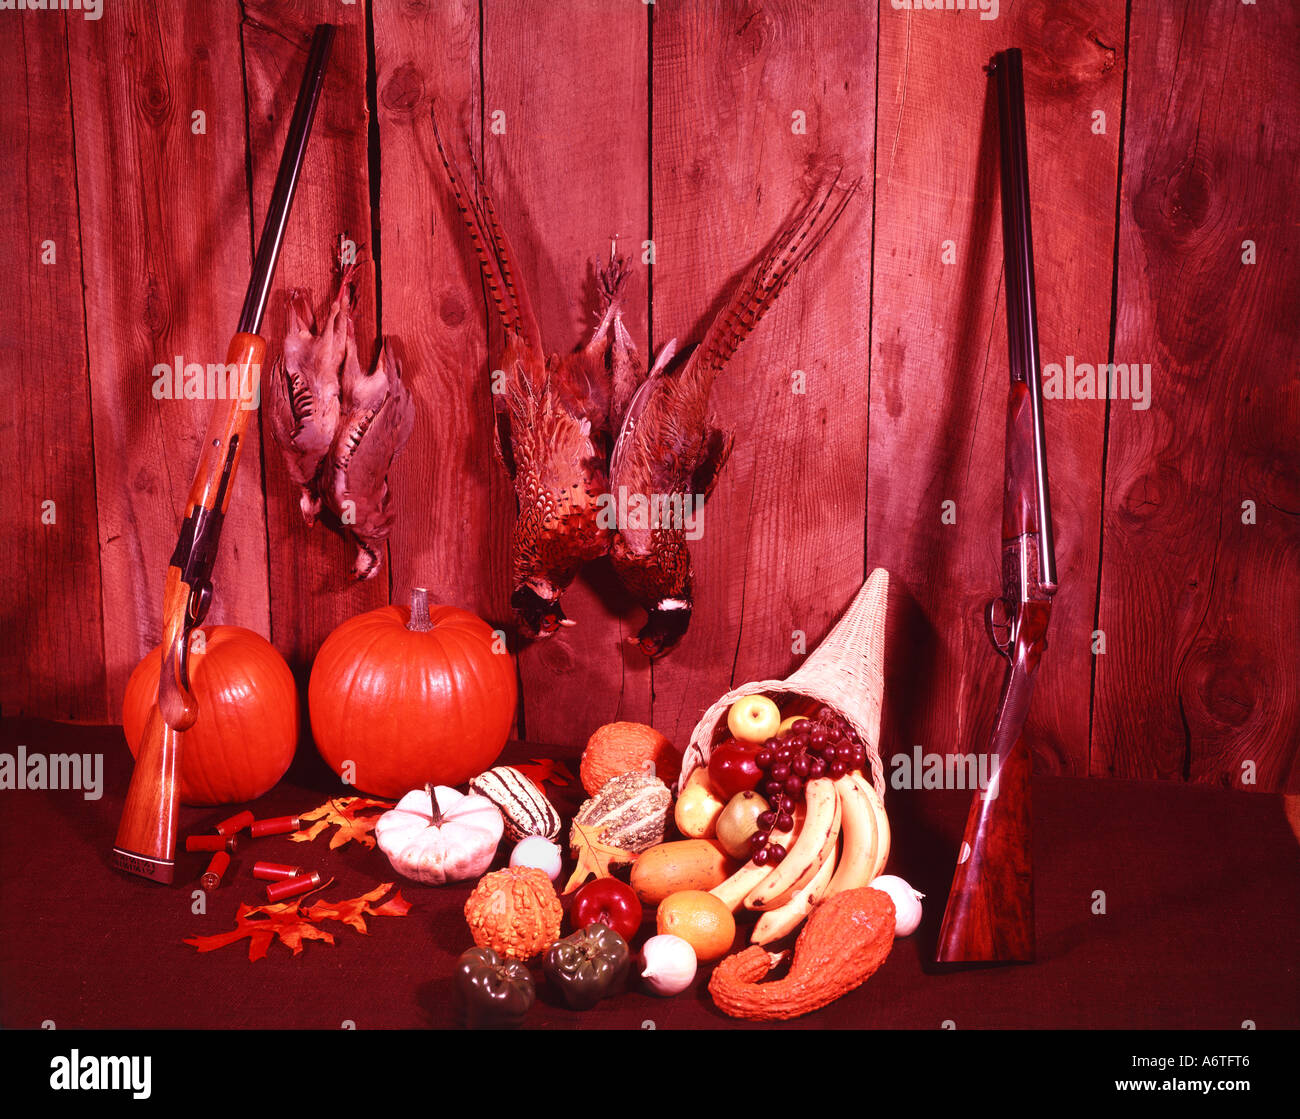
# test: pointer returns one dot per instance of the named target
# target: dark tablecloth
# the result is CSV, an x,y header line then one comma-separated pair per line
x,y
1200,928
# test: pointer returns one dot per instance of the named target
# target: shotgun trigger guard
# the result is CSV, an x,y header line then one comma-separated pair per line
x,y
999,624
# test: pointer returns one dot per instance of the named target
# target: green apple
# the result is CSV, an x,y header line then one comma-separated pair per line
x,y
738,822
753,718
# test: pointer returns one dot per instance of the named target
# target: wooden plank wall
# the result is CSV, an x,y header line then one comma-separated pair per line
x,y
1158,146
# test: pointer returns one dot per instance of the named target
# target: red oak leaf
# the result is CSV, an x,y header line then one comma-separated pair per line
x,y
345,812
546,769
285,921
353,911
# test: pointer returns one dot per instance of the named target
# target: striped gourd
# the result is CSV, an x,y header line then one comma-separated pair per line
x,y
631,812
523,805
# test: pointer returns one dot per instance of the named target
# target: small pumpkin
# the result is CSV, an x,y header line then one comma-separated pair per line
x,y
247,729
625,747
409,697
515,912
436,835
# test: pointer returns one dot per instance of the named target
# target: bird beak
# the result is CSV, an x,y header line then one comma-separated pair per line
x,y
567,622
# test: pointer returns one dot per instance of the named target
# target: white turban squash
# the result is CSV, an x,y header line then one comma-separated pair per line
x,y
446,841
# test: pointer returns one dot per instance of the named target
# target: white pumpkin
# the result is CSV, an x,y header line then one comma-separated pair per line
x,y
455,838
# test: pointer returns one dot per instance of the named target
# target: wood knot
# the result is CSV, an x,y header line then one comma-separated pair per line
x,y
1172,208
754,33
155,314
1148,496
1188,197
1226,687
451,309
557,656
155,100
403,90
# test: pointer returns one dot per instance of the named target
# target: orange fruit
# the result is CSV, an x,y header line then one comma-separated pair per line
x,y
627,748
700,919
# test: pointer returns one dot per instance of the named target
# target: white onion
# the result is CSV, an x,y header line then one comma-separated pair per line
x,y
538,851
667,964
907,903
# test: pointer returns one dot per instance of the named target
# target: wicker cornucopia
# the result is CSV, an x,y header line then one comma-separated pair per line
x,y
846,672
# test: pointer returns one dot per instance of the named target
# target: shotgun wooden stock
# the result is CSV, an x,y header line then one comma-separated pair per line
x,y
146,836
990,913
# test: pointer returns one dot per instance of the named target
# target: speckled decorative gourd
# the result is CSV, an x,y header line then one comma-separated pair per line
x,y
515,912
631,812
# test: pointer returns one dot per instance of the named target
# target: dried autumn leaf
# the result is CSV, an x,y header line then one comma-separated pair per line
x,y
345,813
284,920
595,856
539,770
353,911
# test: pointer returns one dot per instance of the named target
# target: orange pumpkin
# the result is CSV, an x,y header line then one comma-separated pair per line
x,y
405,698
247,728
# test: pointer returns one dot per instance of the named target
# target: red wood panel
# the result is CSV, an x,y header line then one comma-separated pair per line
x,y
939,376
164,228
312,588
453,530
782,550
1202,608
567,174
53,663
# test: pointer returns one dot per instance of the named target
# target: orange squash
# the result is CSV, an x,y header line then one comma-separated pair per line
x,y
247,728
402,698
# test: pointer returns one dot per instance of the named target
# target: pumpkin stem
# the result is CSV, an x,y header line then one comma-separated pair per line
x,y
435,813
419,622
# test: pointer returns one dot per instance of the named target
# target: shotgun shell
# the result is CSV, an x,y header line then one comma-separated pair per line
x,y
216,868
211,843
235,823
292,887
280,825
276,872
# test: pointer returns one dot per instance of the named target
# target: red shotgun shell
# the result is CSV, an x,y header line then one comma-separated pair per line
x,y
235,823
216,868
276,872
281,825
292,887
211,843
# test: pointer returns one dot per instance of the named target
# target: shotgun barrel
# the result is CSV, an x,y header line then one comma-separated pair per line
x,y
989,917
146,837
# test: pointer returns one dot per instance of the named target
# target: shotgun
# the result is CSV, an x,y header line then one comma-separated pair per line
x,y
990,913
146,836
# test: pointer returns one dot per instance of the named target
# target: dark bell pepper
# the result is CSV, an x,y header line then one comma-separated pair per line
x,y
493,992
589,965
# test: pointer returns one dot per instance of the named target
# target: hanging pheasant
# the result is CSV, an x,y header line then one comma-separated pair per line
x,y
553,421
304,401
339,427
668,454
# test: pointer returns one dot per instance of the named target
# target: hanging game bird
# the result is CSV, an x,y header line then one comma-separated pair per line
x,y
339,427
553,422
668,451
556,417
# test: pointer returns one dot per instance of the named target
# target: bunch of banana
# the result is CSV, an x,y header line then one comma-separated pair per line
x,y
841,844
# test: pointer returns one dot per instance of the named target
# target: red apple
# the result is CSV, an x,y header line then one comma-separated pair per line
x,y
732,768
610,901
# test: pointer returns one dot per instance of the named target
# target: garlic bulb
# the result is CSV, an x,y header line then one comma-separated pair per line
x,y
537,851
907,903
667,964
